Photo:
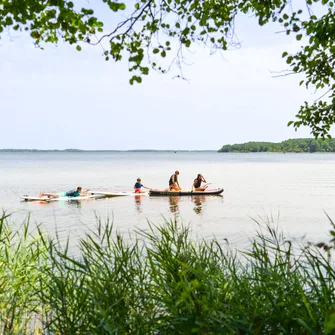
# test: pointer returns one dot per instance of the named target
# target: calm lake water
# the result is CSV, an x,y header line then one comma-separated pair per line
x,y
293,190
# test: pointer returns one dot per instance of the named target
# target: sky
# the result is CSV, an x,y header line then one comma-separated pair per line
x,y
60,98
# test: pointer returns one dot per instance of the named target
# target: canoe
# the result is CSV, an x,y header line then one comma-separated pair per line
x,y
215,191
117,194
46,199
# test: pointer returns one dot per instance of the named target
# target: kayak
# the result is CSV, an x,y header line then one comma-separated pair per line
x,y
46,199
215,191
116,194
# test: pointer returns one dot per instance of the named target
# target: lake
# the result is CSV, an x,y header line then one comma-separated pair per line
x,y
292,190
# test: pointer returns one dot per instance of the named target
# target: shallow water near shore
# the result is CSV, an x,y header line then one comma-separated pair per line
x,y
292,190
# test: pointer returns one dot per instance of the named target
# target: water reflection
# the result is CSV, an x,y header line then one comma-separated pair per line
x,y
138,203
74,203
174,204
198,200
197,203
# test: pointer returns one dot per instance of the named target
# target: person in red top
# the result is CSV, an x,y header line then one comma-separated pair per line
x,y
138,185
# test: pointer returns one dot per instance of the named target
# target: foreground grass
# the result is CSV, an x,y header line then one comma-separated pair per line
x,y
162,282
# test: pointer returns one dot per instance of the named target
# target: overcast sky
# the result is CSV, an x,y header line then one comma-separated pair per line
x,y
60,98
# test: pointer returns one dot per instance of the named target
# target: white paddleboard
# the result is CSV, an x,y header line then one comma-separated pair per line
x,y
117,194
46,199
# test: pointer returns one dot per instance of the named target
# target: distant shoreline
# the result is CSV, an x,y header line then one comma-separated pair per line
x,y
115,151
32,151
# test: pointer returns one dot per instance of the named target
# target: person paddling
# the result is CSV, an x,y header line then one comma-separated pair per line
x,y
138,185
173,182
72,193
197,183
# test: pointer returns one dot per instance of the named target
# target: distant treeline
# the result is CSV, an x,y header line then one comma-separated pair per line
x,y
292,145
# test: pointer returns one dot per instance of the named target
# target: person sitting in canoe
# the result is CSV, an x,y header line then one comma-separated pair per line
x,y
197,183
72,193
138,185
173,182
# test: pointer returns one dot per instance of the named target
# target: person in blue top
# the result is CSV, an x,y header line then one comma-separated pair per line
x,y
72,193
138,185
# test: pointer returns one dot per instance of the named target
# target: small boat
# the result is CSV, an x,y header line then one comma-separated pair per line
x,y
117,194
214,191
47,199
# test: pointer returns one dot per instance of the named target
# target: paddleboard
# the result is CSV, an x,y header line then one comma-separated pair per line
x,y
165,192
46,199
117,194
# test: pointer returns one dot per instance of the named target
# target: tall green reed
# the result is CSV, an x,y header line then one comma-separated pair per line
x,y
163,281
190,282
22,262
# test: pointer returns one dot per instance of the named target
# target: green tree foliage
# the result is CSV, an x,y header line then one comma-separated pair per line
x,y
152,27
292,145
49,20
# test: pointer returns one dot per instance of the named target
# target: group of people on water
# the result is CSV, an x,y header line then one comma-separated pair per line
x,y
173,187
174,184
196,186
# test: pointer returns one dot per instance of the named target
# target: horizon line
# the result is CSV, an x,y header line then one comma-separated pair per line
x,y
109,150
